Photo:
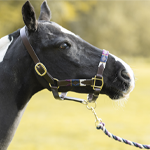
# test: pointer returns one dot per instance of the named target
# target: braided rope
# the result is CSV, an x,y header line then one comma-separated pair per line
x,y
101,126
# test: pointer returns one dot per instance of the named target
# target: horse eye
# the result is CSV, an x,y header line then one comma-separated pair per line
x,y
64,45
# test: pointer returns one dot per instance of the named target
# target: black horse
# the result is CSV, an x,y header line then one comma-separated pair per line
x,y
65,55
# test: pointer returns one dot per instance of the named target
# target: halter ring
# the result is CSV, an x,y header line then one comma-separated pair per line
x,y
91,107
56,81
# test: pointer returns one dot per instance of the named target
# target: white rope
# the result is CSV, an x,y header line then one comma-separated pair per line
x,y
101,126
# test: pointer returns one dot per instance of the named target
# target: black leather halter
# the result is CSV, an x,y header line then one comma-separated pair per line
x,y
96,82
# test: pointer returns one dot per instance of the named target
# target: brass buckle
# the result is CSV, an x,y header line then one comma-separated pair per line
x,y
95,79
38,65
55,80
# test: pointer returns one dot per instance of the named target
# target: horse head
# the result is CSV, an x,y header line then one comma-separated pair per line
x,y
67,56
64,58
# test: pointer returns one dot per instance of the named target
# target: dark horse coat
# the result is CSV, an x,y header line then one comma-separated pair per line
x,y
65,55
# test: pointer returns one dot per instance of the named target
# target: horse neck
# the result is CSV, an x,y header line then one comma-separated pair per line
x,y
17,71
18,84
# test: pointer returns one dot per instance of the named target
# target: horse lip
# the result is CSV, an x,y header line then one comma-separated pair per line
x,y
123,94
127,93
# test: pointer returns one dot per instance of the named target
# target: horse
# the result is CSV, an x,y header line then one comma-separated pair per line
x,y
64,55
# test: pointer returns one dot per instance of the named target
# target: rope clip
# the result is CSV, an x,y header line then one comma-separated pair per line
x,y
92,108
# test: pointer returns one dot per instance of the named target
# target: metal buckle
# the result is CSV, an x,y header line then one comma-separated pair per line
x,y
94,85
56,81
38,65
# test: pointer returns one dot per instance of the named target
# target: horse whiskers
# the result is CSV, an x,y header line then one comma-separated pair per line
x,y
120,103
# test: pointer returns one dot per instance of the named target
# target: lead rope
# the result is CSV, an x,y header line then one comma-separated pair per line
x,y
101,126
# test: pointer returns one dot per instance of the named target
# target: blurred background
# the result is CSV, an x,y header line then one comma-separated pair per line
x,y
123,28
119,26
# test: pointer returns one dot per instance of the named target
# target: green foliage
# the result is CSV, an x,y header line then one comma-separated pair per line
x,y
122,27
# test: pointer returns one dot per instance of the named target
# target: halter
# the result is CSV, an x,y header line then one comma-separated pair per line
x,y
96,82
55,84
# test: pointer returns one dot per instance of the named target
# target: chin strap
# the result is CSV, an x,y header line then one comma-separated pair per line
x,y
96,82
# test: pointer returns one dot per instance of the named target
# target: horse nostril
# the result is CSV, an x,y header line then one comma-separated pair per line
x,y
125,75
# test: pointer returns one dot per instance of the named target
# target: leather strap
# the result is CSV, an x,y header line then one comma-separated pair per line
x,y
75,82
28,46
35,58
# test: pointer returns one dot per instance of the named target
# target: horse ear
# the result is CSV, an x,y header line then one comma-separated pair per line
x,y
45,13
29,17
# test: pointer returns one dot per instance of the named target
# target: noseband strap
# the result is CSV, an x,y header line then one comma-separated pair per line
x,y
96,82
